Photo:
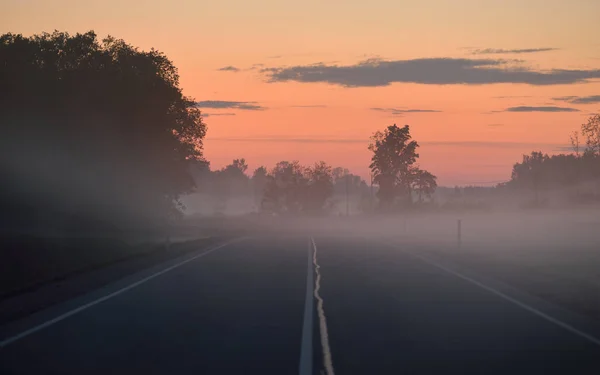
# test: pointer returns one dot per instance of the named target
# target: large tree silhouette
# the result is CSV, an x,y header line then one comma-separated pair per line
x,y
94,127
394,154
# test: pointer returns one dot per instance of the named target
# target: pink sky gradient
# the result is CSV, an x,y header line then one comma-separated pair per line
x,y
470,141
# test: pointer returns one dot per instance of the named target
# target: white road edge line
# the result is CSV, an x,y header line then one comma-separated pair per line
x,y
306,350
321,312
79,309
504,296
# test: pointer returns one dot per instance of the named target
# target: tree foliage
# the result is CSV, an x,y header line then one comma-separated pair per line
x,y
424,183
100,125
393,166
292,188
591,131
538,171
259,181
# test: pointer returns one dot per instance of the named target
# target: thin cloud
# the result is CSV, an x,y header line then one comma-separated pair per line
x,y
290,140
217,114
495,125
592,99
564,98
511,96
429,71
229,68
220,104
540,109
309,106
491,51
487,144
400,112
255,66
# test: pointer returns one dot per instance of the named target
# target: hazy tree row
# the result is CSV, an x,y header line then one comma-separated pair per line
x,y
288,187
539,172
292,188
100,130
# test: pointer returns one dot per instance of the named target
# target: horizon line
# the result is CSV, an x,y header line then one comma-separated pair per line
x,y
560,147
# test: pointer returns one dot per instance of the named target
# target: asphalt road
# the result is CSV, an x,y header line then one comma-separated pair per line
x,y
240,309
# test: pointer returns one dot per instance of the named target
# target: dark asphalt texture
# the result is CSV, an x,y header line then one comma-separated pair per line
x,y
239,310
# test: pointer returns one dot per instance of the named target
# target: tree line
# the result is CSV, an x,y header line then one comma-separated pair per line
x,y
292,188
288,187
538,172
100,130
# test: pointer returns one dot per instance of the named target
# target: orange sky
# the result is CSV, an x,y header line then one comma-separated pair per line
x,y
472,139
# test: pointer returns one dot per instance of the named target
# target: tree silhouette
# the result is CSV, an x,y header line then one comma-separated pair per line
x,y
591,131
229,181
320,187
394,153
259,181
424,183
97,127
294,189
539,171
530,171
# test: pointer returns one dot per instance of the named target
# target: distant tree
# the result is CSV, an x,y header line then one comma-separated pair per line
x,y
575,142
294,189
530,172
95,127
271,200
392,163
339,173
342,179
320,187
220,190
201,174
287,186
346,183
259,181
424,183
230,180
239,165
591,132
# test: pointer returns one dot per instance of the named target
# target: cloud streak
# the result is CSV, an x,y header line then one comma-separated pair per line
x,y
221,104
486,144
491,51
217,114
229,68
256,66
512,96
592,99
400,112
428,71
540,109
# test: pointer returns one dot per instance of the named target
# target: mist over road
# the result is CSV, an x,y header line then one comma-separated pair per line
x,y
241,309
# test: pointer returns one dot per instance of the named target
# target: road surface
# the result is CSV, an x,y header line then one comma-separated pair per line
x,y
296,305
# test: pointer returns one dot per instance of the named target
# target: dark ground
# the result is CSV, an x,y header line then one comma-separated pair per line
x,y
91,267
240,309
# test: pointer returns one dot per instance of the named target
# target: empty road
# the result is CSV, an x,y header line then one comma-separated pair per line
x,y
298,305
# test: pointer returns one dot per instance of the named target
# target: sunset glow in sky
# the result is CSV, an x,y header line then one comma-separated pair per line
x,y
480,82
